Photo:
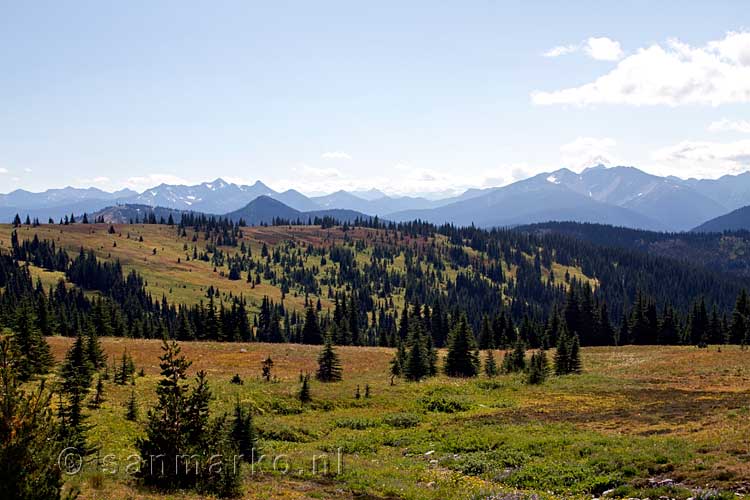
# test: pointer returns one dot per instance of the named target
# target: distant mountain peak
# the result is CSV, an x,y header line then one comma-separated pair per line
x,y
598,166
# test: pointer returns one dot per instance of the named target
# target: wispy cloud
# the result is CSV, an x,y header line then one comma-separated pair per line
x,y
673,74
336,155
3,170
705,158
586,152
561,50
599,48
725,125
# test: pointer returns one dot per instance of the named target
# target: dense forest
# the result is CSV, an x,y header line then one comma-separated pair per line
x,y
501,280
726,252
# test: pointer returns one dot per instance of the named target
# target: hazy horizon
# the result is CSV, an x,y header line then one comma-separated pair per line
x,y
434,195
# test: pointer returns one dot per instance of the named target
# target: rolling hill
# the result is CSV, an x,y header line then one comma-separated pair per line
x,y
725,253
736,220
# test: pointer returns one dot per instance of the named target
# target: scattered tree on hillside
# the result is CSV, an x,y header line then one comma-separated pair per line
x,y
29,435
490,365
329,366
305,395
567,356
179,428
538,368
461,360
515,360
244,434
266,368
76,374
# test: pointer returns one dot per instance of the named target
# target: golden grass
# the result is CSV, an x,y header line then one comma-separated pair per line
x,y
699,397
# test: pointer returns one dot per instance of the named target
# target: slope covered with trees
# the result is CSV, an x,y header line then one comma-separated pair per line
x,y
364,283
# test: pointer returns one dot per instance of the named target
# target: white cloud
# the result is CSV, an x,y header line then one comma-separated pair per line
x,y
140,183
603,49
3,170
336,155
561,50
725,125
705,158
599,48
672,75
586,152
27,170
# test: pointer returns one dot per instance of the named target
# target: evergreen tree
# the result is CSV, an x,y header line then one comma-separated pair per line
x,y
574,353
304,395
266,368
131,412
76,377
94,350
461,360
98,399
490,365
562,353
33,355
124,374
180,437
417,364
399,360
739,325
538,368
515,360
329,366
568,355
244,434
311,330
29,436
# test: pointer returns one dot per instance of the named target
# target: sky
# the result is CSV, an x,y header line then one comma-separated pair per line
x,y
406,97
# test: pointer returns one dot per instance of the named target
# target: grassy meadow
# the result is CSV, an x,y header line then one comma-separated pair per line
x,y
641,421
170,273
637,416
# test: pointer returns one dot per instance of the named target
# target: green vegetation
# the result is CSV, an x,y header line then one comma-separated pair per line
x,y
395,309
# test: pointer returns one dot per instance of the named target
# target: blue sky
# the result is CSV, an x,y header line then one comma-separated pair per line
x,y
407,97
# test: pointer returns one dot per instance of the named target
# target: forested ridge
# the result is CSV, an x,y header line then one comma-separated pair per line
x,y
726,252
371,282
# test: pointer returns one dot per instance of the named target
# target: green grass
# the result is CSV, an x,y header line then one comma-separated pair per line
x,y
613,428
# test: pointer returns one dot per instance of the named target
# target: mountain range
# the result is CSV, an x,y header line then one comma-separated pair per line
x,y
622,196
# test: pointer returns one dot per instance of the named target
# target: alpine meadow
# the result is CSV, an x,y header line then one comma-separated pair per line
x,y
468,250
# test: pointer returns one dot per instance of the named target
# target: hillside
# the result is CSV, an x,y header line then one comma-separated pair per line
x,y
484,274
736,220
123,214
264,210
727,253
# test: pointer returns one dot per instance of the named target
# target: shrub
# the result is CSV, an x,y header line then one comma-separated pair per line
x,y
402,420
443,404
356,424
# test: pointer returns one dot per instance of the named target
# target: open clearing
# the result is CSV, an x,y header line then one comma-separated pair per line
x,y
638,413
